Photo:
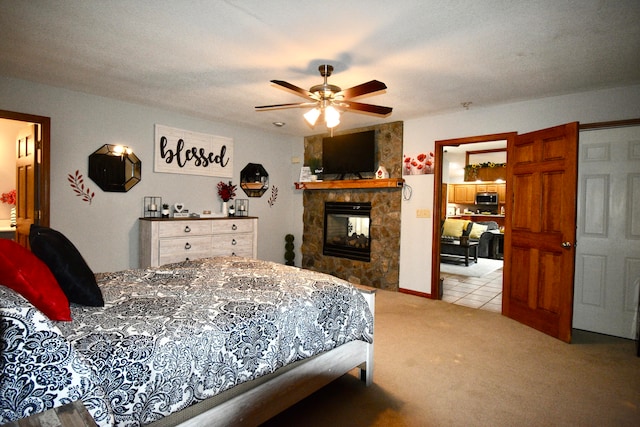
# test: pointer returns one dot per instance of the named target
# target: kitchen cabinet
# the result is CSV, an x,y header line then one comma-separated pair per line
x,y
487,188
502,194
464,193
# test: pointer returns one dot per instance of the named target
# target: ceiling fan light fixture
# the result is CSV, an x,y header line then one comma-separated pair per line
x,y
331,116
312,115
325,97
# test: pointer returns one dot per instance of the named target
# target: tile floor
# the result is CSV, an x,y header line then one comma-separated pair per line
x,y
484,293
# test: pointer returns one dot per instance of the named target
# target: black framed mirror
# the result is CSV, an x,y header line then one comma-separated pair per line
x,y
254,180
115,168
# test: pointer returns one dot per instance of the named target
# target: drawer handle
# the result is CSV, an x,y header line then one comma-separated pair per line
x,y
187,246
187,229
186,259
233,254
233,242
234,227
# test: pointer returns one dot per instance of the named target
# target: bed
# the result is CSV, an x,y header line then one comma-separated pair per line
x,y
216,341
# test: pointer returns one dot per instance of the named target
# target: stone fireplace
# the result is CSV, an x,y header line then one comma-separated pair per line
x,y
383,268
346,230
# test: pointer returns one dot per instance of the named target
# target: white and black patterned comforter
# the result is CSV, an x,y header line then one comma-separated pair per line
x,y
171,336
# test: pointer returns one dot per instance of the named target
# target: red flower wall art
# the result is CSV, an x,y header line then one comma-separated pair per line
x,y
421,164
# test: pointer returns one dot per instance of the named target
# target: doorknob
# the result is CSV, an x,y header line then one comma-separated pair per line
x,y
566,245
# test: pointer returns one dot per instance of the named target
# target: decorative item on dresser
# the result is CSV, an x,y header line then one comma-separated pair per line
x,y
151,206
164,241
242,207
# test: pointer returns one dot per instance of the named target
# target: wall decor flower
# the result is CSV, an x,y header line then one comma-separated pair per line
x,y
77,184
274,196
226,191
421,164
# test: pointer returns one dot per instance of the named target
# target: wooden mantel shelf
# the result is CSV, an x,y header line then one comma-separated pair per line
x,y
350,183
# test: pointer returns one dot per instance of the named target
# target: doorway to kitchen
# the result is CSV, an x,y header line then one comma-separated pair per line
x,y
471,178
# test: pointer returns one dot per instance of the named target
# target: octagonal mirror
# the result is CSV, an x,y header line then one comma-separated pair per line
x,y
254,180
115,168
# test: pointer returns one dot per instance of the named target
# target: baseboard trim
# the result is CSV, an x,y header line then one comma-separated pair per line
x,y
416,293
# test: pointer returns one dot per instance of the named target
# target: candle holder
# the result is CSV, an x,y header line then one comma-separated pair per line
x,y
242,207
152,206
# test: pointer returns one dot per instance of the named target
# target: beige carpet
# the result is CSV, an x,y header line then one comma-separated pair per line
x,y
439,364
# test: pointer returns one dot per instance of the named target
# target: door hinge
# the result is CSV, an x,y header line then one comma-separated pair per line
x,y
38,214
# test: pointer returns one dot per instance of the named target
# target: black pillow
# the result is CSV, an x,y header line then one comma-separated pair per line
x,y
74,276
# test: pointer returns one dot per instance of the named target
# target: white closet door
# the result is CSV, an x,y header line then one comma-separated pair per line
x,y
607,275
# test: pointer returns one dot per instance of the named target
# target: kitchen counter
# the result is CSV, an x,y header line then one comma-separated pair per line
x,y
481,217
465,215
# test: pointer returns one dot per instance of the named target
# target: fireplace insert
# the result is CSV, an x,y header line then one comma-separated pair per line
x,y
347,230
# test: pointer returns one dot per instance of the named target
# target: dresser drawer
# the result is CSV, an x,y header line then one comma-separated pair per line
x,y
182,248
232,226
164,241
170,259
234,244
184,228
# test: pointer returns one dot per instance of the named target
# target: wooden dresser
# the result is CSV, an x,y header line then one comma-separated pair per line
x,y
167,240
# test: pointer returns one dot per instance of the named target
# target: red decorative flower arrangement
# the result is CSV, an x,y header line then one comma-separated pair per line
x,y
9,198
226,191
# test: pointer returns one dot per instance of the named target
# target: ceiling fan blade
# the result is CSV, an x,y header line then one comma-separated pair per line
x,y
280,106
295,89
367,108
362,89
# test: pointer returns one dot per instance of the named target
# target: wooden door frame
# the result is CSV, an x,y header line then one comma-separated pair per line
x,y
42,195
437,199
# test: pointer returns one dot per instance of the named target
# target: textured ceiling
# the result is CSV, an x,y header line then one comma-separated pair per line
x,y
214,59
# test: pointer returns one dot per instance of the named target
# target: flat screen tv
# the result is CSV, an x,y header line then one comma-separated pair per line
x,y
350,154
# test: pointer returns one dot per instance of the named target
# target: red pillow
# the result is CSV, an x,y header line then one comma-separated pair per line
x,y
23,272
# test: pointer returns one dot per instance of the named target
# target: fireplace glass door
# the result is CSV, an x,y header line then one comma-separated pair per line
x,y
347,230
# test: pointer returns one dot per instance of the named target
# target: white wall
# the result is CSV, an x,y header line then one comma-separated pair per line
x,y
588,107
106,231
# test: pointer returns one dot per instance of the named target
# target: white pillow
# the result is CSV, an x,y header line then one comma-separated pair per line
x,y
477,230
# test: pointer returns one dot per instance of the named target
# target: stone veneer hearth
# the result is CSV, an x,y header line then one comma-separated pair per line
x,y
383,271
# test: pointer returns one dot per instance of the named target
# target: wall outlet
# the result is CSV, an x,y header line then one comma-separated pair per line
x,y
423,213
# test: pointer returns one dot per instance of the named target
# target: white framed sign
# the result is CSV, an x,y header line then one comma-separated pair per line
x,y
185,152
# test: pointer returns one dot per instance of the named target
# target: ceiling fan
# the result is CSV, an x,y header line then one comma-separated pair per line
x,y
328,100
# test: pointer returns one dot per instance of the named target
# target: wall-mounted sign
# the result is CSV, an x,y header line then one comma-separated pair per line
x,y
185,152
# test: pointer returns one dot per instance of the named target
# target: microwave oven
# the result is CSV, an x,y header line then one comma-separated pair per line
x,y
486,198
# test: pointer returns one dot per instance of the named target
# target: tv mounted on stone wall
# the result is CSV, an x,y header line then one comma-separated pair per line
x,y
353,154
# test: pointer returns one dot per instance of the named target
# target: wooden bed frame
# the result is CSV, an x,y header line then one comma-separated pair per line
x,y
255,402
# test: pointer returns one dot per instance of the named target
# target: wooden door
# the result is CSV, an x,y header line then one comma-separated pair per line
x,y
608,253
443,202
539,246
26,177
